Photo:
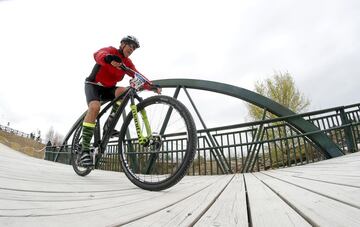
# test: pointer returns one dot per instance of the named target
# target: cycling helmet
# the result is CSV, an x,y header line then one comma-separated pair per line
x,y
131,39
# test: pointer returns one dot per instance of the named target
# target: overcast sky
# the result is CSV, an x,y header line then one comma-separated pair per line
x,y
46,49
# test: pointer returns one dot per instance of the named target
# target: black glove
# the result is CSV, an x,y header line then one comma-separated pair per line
x,y
109,58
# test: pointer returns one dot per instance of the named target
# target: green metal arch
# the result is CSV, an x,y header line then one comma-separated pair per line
x,y
329,148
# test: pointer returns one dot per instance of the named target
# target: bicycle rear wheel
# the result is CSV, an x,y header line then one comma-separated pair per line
x,y
76,152
164,160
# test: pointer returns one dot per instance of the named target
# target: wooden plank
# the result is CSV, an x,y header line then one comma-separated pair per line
x,y
100,211
340,165
329,167
82,194
343,170
345,194
187,211
230,208
267,209
46,178
352,181
346,160
316,209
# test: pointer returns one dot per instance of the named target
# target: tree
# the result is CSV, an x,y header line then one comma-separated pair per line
x,y
280,88
57,140
54,137
38,137
50,135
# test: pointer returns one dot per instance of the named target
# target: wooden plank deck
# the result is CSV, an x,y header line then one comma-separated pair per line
x,y
35,192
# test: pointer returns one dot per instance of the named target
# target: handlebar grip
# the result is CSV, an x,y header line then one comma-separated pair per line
x,y
123,67
154,87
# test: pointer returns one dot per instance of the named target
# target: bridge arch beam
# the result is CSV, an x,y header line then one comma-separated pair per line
x,y
329,148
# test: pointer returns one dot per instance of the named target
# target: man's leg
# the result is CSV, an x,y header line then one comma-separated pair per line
x,y
88,131
115,107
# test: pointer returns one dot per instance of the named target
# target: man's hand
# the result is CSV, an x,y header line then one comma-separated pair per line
x,y
156,88
113,60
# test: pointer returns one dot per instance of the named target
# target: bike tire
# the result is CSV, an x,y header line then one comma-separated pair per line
x,y
177,167
76,152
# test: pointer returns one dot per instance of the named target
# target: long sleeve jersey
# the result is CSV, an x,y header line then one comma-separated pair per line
x,y
105,73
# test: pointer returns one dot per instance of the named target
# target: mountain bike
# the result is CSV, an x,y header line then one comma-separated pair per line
x,y
156,142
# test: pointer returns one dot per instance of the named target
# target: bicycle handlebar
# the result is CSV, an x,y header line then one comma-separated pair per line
x,y
139,78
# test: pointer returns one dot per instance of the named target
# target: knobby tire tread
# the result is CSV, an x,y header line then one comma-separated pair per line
x,y
190,154
75,142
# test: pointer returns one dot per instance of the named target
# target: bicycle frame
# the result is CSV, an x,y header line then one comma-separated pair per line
x,y
128,96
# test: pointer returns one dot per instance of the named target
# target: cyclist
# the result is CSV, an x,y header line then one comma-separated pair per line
x,y
101,86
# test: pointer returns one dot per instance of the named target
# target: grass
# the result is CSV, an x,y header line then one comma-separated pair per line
x,y
25,145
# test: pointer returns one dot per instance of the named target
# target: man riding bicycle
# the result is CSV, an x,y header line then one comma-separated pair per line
x,y
100,85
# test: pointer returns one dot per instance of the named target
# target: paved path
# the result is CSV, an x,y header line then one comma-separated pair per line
x,y
36,193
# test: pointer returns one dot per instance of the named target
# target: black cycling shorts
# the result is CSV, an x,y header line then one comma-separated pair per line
x,y
99,93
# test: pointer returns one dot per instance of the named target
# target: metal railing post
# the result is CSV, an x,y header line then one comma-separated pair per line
x,y
224,166
349,139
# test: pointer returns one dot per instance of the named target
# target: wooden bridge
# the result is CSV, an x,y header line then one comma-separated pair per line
x,y
35,192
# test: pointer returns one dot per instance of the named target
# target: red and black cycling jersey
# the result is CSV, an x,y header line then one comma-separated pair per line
x,y
105,73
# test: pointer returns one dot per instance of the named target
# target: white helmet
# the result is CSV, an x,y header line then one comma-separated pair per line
x,y
131,39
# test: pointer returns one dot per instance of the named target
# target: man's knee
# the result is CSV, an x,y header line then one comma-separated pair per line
x,y
94,107
119,91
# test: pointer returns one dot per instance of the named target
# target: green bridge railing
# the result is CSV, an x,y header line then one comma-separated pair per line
x,y
254,146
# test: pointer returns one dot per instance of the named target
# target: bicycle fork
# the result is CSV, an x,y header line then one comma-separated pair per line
x,y
143,140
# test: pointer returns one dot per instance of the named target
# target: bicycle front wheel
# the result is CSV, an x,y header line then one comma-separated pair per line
x,y
163,160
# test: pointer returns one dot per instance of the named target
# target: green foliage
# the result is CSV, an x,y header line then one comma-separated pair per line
x,y
280,88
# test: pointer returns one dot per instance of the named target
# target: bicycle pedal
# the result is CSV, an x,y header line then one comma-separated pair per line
x,y
115,133
88,165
